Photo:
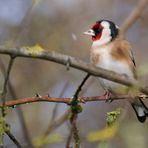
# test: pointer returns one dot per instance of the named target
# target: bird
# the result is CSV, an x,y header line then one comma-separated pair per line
x,y
110,50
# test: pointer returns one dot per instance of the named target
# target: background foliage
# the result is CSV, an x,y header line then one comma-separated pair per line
x,y
58,25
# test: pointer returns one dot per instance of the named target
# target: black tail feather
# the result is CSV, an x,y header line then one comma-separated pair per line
x,y
140,109
145,107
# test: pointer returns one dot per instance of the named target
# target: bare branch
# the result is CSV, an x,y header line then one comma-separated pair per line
x,y
4,89
69,139
136,13
59,121
75,109
19,110
46,98
52,121
76,134
62,59
80,86
3,97
75,63
10,135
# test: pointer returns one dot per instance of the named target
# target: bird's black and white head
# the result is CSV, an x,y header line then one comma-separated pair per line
x,y
103,32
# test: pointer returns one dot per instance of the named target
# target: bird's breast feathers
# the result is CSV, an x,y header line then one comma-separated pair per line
x,y
115,58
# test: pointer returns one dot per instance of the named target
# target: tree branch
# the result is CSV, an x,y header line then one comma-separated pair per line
x,y
80,87
82,99
69,139
73,62
3,97
54,112
136,13
4,88
19,110
10,135
75,109
63,59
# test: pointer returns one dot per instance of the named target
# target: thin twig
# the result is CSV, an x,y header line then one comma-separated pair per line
x,y
68,141
103,75
70,133
80,86
3,97
18,109
10,135
75,109
136,13
82,99
56,123
76,134
24,127
54,112
20,33
59,121
4,88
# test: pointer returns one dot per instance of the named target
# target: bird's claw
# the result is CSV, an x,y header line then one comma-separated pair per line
x,y
82,100
108,97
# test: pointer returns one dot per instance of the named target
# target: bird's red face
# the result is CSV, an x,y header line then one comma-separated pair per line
x,y
97,28
95,31
103,31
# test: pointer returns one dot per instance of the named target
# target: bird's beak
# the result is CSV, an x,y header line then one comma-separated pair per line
x,y
89,32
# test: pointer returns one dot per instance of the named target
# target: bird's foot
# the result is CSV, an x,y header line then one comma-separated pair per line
x,y
108,95
82,100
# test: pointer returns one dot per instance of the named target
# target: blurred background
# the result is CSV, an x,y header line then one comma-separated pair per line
x,y
57,25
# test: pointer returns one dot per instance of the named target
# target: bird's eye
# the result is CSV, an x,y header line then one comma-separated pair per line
x,y
96,26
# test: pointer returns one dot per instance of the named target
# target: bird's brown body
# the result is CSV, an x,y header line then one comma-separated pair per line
x,y
111,51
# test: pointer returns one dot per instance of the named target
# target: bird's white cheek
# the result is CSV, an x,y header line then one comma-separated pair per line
x,y
106,33
105,38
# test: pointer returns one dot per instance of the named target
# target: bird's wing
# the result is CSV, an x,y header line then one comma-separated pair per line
x,y
133,63
132,57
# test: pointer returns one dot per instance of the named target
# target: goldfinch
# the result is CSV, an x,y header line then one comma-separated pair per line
x,y
111,51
